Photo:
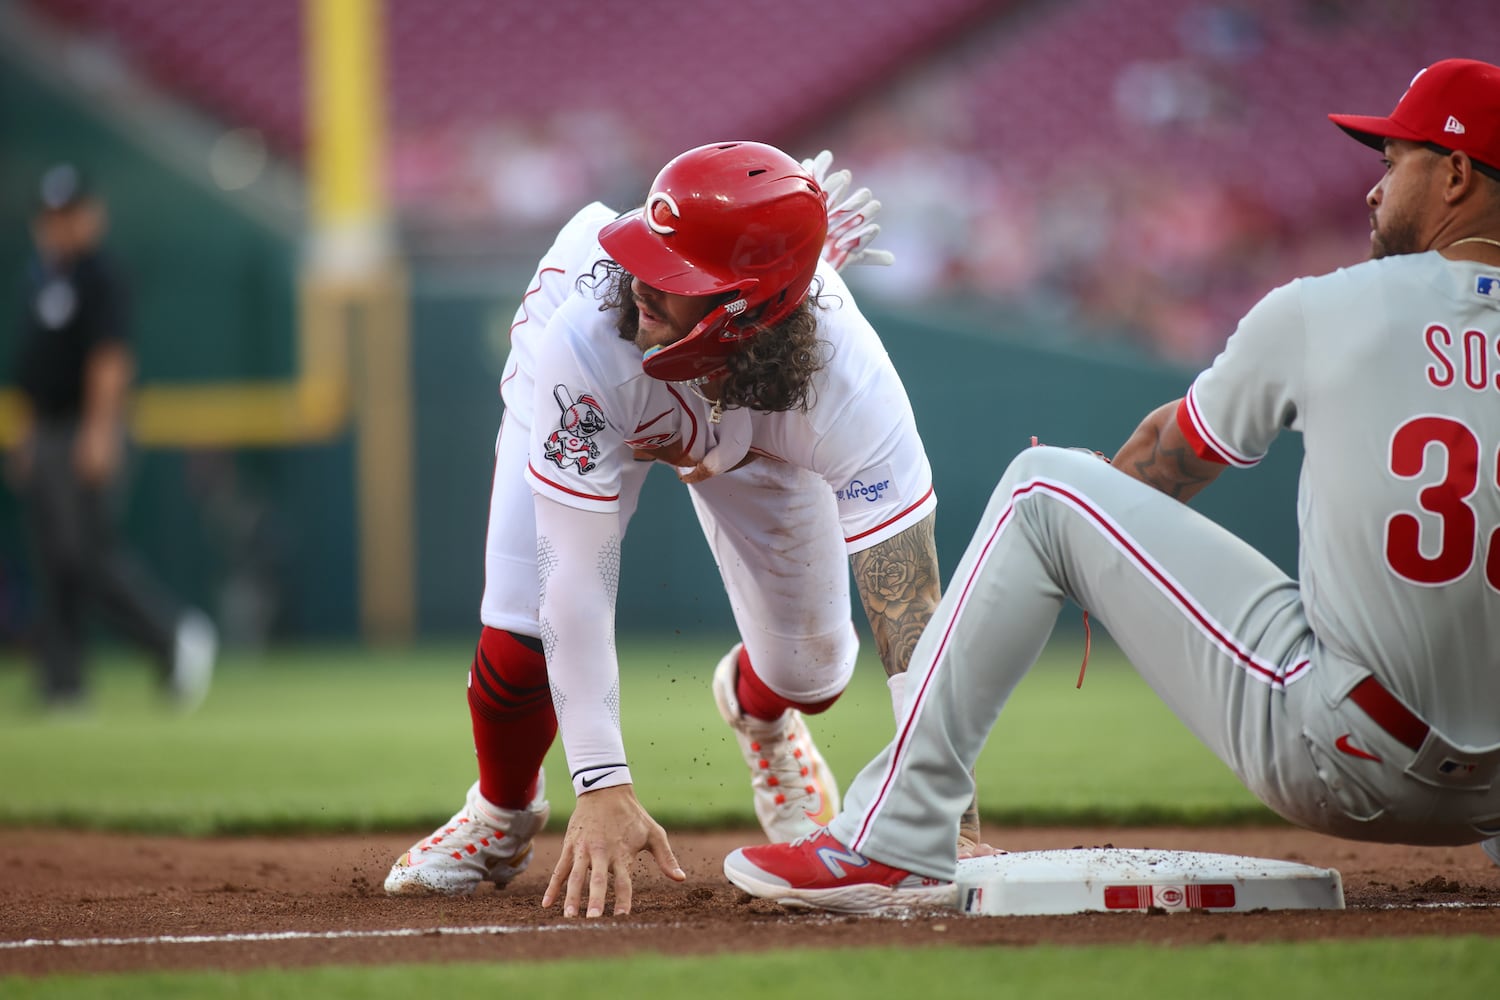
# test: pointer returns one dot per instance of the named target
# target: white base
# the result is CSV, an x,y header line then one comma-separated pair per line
x,y
1113,880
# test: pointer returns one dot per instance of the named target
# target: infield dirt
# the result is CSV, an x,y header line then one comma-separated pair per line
x,y
96,902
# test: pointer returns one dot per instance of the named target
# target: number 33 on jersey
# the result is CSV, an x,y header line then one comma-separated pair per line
x,y
1392,525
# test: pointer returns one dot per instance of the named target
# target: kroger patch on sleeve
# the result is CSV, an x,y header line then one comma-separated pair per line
x,y
870,489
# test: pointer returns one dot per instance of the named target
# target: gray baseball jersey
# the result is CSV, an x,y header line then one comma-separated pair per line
x,y
1391,371
1363,702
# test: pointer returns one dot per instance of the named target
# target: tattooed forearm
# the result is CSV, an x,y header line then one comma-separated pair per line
x,y
899,584
1171,470
1158,455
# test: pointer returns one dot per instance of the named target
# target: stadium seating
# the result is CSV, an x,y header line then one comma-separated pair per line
x,y
1156,164
1235,89
681,73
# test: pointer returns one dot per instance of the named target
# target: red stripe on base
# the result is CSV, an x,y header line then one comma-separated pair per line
x,y
1214,896
1198,896
1127,897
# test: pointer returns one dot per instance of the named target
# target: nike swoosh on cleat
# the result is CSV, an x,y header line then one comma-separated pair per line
x,y
1349,748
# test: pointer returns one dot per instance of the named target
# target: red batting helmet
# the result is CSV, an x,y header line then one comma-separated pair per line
x,y
727,217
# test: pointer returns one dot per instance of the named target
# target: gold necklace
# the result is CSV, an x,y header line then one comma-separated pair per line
x,y
1473,239
717,413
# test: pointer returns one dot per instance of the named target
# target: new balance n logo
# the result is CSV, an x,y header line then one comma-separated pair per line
x,y
834,859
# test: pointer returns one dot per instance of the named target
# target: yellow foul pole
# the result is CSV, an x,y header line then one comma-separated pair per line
x,y
354,288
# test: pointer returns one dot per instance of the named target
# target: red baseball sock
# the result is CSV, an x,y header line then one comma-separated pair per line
x,y
510,706
759,702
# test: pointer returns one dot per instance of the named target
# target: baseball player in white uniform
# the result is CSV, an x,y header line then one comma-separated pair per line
x,y
719,284
1362,700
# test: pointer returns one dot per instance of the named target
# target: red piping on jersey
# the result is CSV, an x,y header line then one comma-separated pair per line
x,y
692,417
526,316
1204,442
1245,657
889,521
563,489
641,427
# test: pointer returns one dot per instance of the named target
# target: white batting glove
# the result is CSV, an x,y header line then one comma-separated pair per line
x,y
850,226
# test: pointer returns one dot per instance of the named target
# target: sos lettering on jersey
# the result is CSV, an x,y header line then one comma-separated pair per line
x,y
869,488
1471,359
572,444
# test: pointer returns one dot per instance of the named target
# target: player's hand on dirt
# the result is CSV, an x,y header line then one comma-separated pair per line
x,y
607,830
851,225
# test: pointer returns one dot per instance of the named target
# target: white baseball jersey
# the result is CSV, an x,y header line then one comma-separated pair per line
x,y
1363,701
847,474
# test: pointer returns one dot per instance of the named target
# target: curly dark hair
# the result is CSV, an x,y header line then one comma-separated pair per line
x,y
772,371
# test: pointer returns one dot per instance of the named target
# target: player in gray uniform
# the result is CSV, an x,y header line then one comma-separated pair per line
x,y
1362,701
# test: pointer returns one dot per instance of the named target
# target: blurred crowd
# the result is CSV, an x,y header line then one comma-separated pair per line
x,y
1104,161
1132,253
1141,243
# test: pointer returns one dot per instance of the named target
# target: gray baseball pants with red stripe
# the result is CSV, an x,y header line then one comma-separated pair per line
x,y
1214,627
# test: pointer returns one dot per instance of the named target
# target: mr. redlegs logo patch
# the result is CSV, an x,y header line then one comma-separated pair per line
x,y
572,442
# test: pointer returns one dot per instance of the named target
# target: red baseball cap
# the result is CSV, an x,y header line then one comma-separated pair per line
x,y
1454,103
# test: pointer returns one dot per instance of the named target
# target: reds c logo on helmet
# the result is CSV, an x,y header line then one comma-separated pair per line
x,y
741,220
661,206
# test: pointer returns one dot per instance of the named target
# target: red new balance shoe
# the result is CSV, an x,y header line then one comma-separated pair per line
x,y
818,871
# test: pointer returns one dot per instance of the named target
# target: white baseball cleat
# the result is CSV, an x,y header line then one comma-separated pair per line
x,y
1492,848
795,792
481,843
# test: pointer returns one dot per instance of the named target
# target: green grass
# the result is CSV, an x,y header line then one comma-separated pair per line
x,y
1451,968
346,739
342,738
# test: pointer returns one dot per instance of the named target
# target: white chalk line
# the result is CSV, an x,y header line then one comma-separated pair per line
x,y
1426,906
494,929
264,936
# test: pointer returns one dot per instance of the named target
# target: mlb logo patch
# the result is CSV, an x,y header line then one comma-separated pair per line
x,y
1488,285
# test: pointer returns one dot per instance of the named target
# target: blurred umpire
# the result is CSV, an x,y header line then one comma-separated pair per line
x,y
74,371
